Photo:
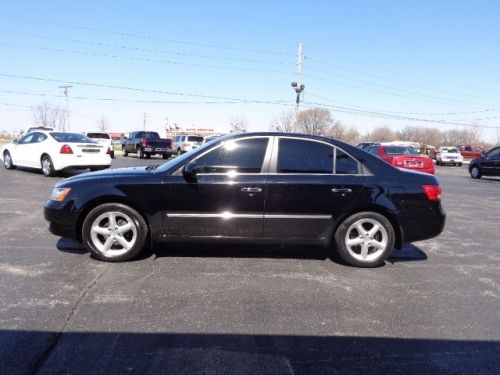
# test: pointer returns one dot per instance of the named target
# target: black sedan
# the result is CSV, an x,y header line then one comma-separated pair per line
x,y
253,188
487,165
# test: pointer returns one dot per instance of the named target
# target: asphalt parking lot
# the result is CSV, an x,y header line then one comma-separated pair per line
x,y
434,307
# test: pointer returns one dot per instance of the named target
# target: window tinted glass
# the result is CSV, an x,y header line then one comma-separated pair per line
x,y
301,156
344,164
39,137
195,138
494,153
98,135
245,156
71,137
399,150
26,139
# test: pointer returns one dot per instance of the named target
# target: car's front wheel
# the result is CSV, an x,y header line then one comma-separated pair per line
x,y
114,232
7,161
475,172
365,239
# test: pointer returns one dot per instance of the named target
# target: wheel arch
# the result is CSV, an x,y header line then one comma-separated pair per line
x,y
398,230
90,205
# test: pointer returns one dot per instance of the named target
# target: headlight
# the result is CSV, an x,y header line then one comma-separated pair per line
x,y
59,194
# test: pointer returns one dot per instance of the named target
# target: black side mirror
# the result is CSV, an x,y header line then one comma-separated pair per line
x,y
190,170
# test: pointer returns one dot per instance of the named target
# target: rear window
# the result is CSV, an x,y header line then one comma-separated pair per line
x,y
195,138
399,150
71,138
451,150
98,135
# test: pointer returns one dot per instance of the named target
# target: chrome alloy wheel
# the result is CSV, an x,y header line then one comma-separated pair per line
x,y
474,172
7,160
46,167
113,233
366,240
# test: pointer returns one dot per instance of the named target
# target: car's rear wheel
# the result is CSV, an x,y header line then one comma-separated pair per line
x,y
47,166
165,156
124,152
140,153
475,172
179,152
365,239
147,156
7,161
114,232
459,164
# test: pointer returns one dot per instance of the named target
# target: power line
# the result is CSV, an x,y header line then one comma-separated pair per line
x,y
149,50
159,61
147,37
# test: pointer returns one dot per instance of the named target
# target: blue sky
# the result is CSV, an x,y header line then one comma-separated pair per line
x,y
367,61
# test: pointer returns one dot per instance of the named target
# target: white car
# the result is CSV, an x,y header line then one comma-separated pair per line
x,y
185,143
104,139
449,155
53,151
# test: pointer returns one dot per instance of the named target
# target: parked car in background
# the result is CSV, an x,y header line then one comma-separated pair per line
x,y
103,139
364,145
487,165
33,128
211,138
185,143
448,155
53,151
402,157
471,152
145,144
253,188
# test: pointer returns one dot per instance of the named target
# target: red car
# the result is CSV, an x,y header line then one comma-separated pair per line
x,y
402,157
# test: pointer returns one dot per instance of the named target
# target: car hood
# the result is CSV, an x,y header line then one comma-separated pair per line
x,y
131,172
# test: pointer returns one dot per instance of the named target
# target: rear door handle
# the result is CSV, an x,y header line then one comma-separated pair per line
x,y
251,190
341,190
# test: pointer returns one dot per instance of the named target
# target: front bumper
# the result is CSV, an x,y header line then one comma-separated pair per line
x,y
62,222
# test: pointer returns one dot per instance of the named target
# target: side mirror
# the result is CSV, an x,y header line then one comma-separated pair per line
x,y
14,141
190,170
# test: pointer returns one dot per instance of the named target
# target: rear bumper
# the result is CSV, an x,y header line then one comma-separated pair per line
x,y
424,224
62,222
73,161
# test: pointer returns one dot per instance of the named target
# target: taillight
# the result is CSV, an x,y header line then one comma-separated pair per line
x,y
66,150
109,151
433,192
144,143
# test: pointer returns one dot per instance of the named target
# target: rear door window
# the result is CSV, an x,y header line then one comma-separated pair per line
x,y
345,164
304,156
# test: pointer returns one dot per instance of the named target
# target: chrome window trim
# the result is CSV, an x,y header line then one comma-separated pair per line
x,y
229,215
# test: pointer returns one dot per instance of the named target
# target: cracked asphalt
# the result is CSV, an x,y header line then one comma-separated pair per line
x,y
433,308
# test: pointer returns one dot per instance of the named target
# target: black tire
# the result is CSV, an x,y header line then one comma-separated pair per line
x,y
123,214
147,156
459,164
7,161
95,169
140,153
47,166
124,152
179,152
165,156
438,162
475,172
378,246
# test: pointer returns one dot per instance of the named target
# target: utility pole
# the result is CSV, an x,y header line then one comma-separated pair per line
x,y
144,121
298,87
67,105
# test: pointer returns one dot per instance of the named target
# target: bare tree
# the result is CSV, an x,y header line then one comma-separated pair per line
x,y
49,115
284,122
238,124
380,134
103,124
315,121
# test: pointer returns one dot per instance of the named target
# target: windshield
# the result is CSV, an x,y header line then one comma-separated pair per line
x,y
451,150
399,150
98,135
71,138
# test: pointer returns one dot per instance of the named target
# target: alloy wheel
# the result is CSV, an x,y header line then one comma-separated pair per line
x,y
113,233
366,240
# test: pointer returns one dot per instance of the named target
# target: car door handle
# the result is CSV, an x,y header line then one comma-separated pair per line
x,y
251,190
341,190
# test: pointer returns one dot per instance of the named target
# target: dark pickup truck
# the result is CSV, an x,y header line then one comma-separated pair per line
x,y
146,144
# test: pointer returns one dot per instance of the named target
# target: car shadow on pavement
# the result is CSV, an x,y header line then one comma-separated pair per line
x,y
68,245
49,352
240,251
409,253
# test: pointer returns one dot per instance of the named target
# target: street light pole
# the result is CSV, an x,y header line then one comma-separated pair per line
x,y
67,105
298,87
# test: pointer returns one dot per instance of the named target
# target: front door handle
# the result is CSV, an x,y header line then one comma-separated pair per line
x,y
251,190
341,190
